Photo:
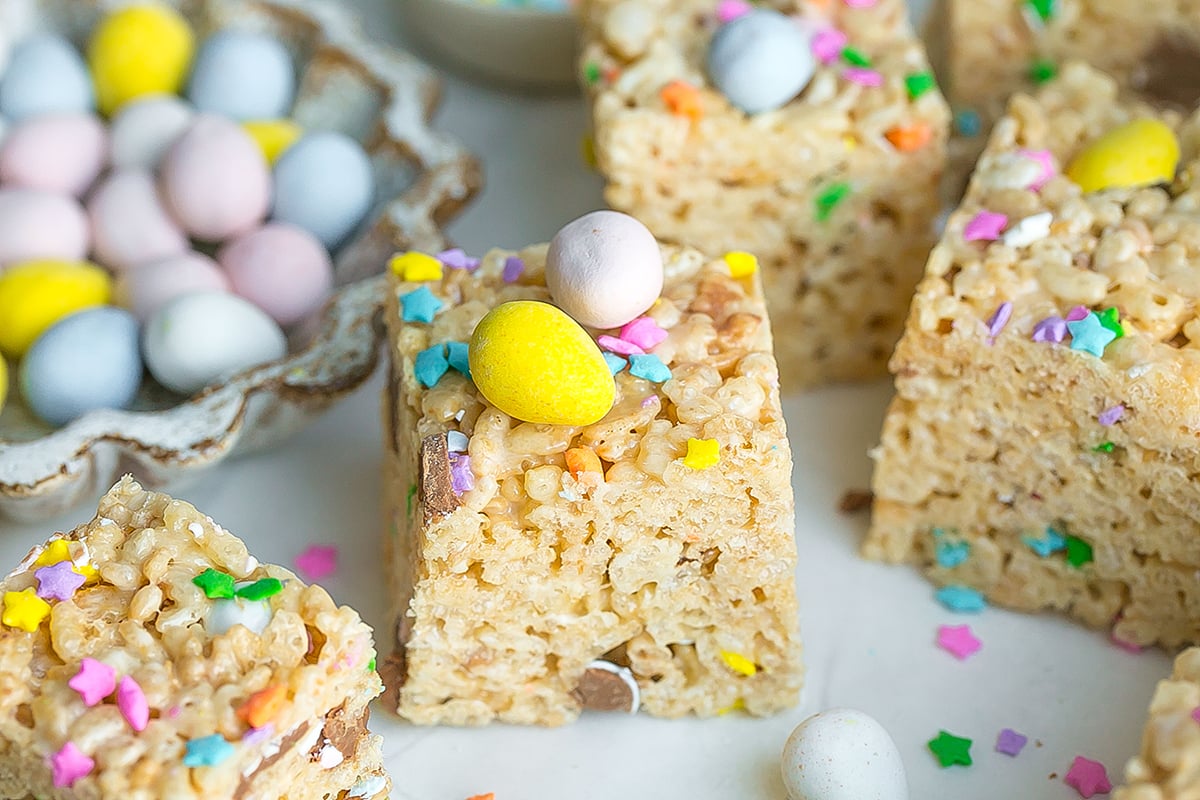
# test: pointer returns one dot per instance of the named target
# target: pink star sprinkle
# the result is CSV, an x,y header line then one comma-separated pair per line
x,y
643,332
862,76
618,346
729,10
317,561
861,3
1127,646
1045,160
131,700
1077,313
1087,777
69,765
94,681
958,641
985,227
1196,713
827,45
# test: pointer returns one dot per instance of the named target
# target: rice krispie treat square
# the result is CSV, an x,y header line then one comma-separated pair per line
x,y
147,655
1045,438
645,560
1166,767
835,191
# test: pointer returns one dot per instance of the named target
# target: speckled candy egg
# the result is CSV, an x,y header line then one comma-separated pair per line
x,y
87,361
37,224
324,184
45,75
54,152
243,75
215,180
760,60
143,131
129,224
280,268
604,269
195,339
842,754
147,287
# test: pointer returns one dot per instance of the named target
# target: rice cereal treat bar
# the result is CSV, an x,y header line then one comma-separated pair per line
x,y
1166,767
835,188
644,559
1042,446
147,655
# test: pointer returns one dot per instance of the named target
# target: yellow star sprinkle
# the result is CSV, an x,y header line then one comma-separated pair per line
x,y
58,551
414,266
739,663
741,264
24,610
702,453
736,705
587,149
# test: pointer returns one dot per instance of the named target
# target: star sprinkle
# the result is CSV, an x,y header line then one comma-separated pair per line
x,y
855,57
207,751
514,268
909,138
1043,71
53,553
1087,777
645,331
1029,230
702,453
419,305
24,610
1077,313
94,681
414,266
998,320
958,641
462,479
967,122
827,45
919,83
1051,542
458,357
961,599
1079,552
131,701
1045,160
1051,329
1111,416
1011,743
831,198
683,100
68,765
863,76
739,663
984,227
950,749
261,589
1090,336
456,258
431,365
317,561
1110,318
614,345
263,706
215,584
729,10
1044,9
615,362
741,264
58,581
1196,714
950,554
649,367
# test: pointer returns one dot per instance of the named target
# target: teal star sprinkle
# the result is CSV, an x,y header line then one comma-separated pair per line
x,y
207,751
951,554
650,367
261,589
961,599
1090,335
420,305
431,365
614,361
216,585
1051,542
458,359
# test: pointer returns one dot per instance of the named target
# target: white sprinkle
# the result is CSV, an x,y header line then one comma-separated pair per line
x,y
1137,370
456,441
1029,230
368,787
251,564
330,756
458,415
196,529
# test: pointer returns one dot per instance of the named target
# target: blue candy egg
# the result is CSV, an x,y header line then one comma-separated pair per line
x,y
760,60
45,75
243,75
324,184
89,360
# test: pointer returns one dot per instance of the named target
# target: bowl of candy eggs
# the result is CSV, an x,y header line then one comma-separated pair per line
x,y
195,202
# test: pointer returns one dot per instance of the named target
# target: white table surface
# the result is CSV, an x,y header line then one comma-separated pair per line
x,y
869,629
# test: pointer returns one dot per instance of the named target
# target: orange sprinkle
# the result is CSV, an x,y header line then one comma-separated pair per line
x,y
488,796
263,706
907,138
683,99
581,460
611,74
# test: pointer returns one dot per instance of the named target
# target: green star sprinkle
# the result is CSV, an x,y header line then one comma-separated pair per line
x,y
1110,318
855,57
261,589
371,665
215,584
412,492
1043,8
1043,70
591,73
829,199
1104,447
919,83
1079,552
950,749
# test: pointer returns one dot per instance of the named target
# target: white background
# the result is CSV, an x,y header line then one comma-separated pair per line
x,y
869,629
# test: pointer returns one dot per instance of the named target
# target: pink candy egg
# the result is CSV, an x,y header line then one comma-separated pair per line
x,y
129,224
55,152
146,288
215,180
35,224
282,269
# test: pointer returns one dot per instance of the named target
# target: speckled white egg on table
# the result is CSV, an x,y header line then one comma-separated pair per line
x,y
143,131
215,180
35,224
147,287
54,152
45,75
324,184
604,269
129,224
842,754
195,339
87,361
280,268
760,60
242,75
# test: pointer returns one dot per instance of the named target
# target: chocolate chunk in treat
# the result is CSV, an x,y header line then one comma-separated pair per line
x,y
606,686
437,494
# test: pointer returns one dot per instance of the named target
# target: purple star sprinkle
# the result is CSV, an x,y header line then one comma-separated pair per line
x,y
999,320
461,478
1111,416
513,269
456,258
1051,329
1010,743
58,581
1077,313
257,735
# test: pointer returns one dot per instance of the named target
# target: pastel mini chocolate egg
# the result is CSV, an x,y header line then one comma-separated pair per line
x,y
324,184
226,612
45,75
55,153
1142,152
215,180
534,363
38,224
198,338
760,60
129,224
242,75
280,268
138,50
842,754
143,131
604,269
273,136
86,361
36,294
147,287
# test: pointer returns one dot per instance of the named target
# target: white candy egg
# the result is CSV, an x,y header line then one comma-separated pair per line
x,y
227,612
842,754
144,130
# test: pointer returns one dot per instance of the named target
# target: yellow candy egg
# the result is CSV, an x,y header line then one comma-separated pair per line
x,y
1138,153
273,136
139,50
36,294
534,363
